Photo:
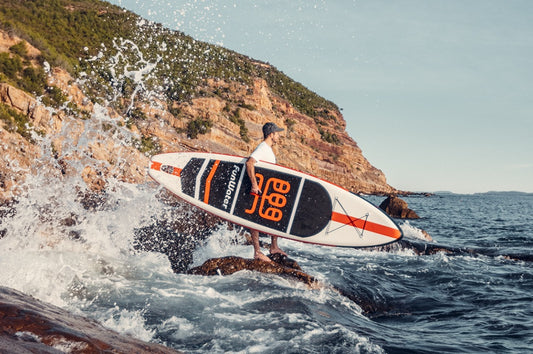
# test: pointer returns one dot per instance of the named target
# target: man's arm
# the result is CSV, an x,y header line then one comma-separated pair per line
x,y
250,169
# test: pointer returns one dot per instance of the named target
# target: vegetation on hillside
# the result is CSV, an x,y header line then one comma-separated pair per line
x,y
15,68
104,44
14,121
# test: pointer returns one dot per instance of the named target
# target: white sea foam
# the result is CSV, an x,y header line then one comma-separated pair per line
x,y
413,232
225,241
128,322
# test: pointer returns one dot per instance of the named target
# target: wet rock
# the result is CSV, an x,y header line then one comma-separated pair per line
x,y
231,264
284,261
7,210
177,234
519,257
163,238
28,325
92,201
421,248
397,208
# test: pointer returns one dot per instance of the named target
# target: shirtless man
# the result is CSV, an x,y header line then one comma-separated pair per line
x,y
263,152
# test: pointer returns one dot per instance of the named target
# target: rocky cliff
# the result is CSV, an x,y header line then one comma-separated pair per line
x,y
95,141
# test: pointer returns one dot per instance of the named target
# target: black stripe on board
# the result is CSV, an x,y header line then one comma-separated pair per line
x,y
223,184
188,176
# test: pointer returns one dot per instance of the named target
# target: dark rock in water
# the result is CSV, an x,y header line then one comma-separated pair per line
x,y
28,325
519,257
161,237
232,264
425,249
7,209
397,208
177,235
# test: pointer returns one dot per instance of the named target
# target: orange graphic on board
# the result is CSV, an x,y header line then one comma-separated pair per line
x,y
272,199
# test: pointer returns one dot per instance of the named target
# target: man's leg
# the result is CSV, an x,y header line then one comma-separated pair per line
x,y
257,248
274,246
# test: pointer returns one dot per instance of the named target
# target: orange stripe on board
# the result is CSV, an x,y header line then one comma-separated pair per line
x,y
368,225
176,171
208,181
156,166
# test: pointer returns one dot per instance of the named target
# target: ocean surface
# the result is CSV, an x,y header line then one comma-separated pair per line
x,y
476,300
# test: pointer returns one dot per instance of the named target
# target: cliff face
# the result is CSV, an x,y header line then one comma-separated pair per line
x,y
96,142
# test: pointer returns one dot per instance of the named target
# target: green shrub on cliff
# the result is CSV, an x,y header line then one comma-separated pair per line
x,y
9,66
331,138
198,126
15,122
147,145
55,97
33,80
28,78
243,131
19,49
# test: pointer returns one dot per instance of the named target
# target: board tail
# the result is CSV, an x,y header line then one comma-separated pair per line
x,y
365,225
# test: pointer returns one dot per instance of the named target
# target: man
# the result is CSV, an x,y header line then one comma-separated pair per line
x,y
263,152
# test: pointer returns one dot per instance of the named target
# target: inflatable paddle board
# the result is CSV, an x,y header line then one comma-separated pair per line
x,y
292,205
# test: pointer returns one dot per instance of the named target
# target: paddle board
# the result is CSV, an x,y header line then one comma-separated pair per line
x,y
293,204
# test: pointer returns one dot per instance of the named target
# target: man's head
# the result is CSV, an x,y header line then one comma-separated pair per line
x,y
270,128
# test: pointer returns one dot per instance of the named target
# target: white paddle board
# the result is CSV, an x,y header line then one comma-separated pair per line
x,y
293,205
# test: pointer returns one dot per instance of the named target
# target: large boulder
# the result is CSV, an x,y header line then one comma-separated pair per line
x,y
397,208
281,265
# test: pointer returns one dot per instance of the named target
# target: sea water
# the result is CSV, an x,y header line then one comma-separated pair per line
x,y
473,301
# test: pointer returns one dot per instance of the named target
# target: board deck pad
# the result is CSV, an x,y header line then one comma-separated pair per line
x,y
292,204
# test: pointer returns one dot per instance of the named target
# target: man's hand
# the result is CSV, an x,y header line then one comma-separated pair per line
x,y
255,190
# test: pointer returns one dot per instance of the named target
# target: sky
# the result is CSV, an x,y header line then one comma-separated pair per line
x,y
438,94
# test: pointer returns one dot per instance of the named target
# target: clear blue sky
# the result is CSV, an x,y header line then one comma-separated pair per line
x,y
438,94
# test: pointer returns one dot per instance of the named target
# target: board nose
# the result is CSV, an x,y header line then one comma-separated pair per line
x,y
171,170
